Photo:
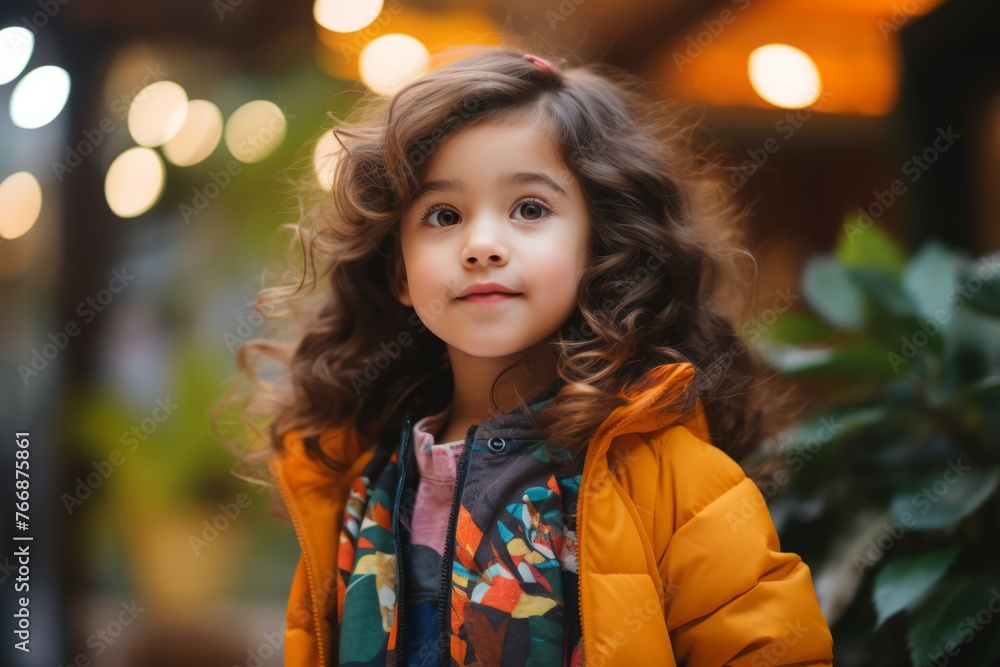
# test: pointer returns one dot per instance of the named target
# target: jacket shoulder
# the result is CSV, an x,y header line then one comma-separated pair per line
x,y
734,596
693,473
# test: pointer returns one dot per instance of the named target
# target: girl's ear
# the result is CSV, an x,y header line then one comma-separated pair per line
x,y
400,286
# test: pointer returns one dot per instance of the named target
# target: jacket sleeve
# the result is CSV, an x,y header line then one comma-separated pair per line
x,y
731,596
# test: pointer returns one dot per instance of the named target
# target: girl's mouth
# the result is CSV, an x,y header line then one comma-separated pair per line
x,y
488,297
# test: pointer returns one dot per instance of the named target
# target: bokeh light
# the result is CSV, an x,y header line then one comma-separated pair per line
x,y
387,62
346,15
134,182
157,113
16,45
199,135
784,76
39,97
21,203
255,130
325,155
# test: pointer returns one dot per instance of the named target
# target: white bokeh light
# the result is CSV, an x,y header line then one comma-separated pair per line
x,y
21,203
199,135
16,45
784,76
389,61
39,97
157,113
325,156
255,130
346,15
134,182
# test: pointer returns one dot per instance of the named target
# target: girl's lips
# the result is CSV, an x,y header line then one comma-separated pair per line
x,y
488,297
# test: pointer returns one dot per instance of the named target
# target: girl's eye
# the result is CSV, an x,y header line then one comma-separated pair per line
x,y
533,209
450,219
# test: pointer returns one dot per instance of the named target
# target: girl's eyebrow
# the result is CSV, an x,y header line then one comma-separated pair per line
x,y
515,178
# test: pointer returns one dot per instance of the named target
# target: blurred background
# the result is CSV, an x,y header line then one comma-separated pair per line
x,y
149,152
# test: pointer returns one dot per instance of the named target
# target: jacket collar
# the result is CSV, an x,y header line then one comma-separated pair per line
x,y
645,411
515,424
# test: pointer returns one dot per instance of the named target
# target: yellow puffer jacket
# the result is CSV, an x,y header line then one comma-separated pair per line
x,y
679,561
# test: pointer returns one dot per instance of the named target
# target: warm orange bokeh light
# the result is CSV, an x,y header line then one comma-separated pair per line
x,y
338,54
853,44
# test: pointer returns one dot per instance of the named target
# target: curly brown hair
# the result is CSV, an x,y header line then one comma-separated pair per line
x,y
665,244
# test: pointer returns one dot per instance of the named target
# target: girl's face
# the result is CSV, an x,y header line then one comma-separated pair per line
x,y
497,205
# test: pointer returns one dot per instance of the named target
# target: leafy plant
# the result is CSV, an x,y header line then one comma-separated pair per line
x,y
889,485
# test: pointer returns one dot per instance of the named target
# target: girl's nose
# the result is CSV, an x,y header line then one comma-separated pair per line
x,y
484,244
485,257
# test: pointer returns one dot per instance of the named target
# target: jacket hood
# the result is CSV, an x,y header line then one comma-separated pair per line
x,y
646,410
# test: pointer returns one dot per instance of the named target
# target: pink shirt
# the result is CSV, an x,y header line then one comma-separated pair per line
x,y
438,464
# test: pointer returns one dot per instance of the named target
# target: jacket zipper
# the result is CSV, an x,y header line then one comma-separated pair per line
x,y
400,600
444,595
293,513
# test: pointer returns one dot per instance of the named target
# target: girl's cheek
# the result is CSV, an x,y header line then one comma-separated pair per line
x,y
557,269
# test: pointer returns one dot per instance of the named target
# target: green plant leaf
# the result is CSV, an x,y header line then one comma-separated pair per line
x,y
971,352
830,291
930,276
980,281
796,329
945,499
982,390
866,360
904,580
814,432
945,624
885,292
858,246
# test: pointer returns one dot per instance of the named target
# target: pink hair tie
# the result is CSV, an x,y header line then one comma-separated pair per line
x,y
541,62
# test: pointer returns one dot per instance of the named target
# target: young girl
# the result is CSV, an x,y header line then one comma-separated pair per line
x,y
514,418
